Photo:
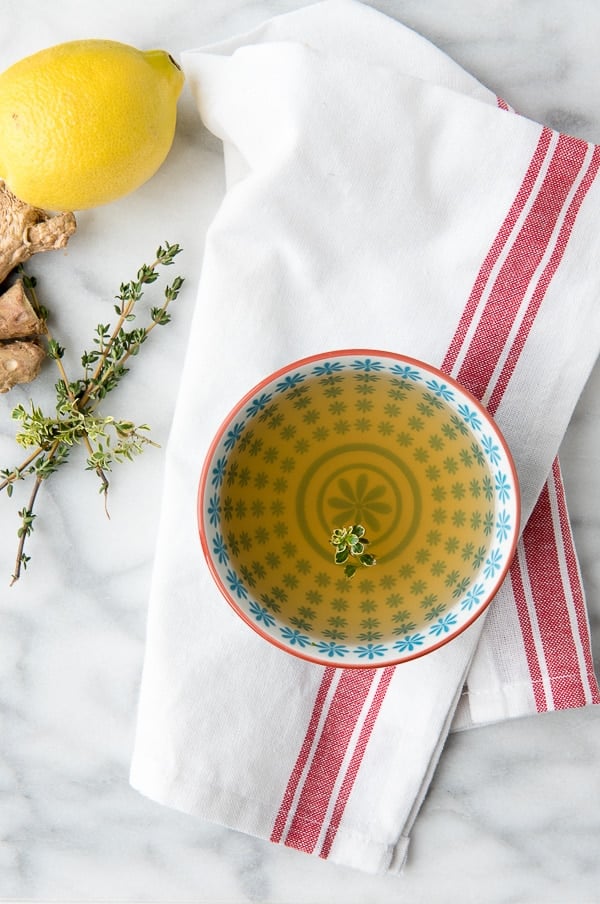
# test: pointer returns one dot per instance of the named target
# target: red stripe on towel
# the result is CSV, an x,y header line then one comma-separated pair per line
x,y
556,206
575,586
551,607
336,735
519,268
557,621
544,282
496,249
565,169
578,149
300,765
518,580
354,765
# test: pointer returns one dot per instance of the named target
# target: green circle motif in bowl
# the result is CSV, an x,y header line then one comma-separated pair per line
x,y
363,438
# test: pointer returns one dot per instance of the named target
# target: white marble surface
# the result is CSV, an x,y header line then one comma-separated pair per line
x,y
513,813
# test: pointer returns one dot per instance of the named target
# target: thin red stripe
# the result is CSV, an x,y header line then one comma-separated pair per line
x,y
533,662
546,277
498,245
575,582
510,286
552,614
355,762
344,712
302,760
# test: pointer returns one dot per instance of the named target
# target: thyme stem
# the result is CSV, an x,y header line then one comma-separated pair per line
x,y
148,274
25,530
85,437
132,350
95,377
17,472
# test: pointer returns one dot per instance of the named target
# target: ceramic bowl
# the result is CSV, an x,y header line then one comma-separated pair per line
x,y
358,508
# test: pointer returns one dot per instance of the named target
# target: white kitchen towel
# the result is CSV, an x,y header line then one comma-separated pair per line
x,y
377,197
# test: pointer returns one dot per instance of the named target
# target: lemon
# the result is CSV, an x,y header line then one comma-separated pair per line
x,y
86,122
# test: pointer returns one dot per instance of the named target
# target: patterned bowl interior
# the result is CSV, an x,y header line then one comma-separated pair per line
x,y
359,438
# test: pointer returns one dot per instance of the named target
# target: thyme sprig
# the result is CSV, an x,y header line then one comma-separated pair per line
x,y
76,420
350,549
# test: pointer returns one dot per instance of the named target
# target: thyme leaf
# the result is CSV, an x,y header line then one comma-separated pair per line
x,y
350,549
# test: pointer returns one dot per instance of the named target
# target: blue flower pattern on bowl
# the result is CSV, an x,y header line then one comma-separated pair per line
x,y
363,499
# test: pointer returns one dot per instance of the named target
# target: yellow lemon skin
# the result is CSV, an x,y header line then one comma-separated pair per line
x,y
86,122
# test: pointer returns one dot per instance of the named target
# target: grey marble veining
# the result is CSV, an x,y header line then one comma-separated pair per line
x,y
513,813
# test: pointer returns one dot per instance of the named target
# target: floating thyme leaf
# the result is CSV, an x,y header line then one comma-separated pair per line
x,y
349,544
75,420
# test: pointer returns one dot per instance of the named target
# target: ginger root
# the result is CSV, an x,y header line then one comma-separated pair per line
x,y
24,231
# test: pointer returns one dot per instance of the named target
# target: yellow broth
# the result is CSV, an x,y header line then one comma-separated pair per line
x,y
347,448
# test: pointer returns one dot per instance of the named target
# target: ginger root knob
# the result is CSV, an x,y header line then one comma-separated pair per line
x,y
26,230
17,317
20,362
